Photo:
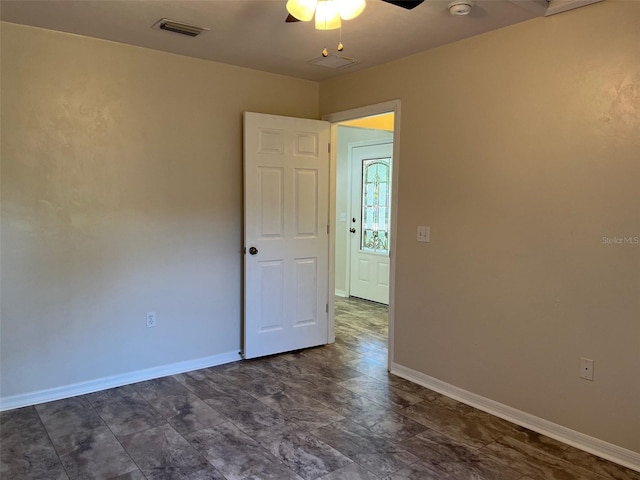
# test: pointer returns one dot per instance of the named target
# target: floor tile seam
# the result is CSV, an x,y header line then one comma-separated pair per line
x,y
369,470
491,454
369,332
309,432
539,450
261,403
363,396
327,406
432,467
395,389
262,372
190,387
386,352
453,438
148,403
266,453
124,449
501,441
357,328
194,449
391,447
394,407
547,455
494,458
52,443
251,393
50,439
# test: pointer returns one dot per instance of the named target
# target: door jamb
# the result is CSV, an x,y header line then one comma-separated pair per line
x,y
334,118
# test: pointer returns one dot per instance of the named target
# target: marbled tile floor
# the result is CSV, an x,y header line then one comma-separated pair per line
x,y
331,413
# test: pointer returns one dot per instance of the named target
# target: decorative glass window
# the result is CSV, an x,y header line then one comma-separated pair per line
x,y
376,205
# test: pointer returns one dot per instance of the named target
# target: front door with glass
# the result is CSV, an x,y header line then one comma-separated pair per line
x,y
370,221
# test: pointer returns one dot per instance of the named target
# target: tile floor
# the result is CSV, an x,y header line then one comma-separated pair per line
x,y
330,413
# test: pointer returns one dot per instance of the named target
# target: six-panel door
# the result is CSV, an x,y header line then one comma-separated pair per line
x,y
286,192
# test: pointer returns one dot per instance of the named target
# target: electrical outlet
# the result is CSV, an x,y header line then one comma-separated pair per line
x,y
586,369
151,319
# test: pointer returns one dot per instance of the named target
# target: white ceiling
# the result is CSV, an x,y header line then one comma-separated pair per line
x,y
252,33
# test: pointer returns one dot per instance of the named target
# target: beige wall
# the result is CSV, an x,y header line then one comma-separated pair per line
x,y
121,194
521,149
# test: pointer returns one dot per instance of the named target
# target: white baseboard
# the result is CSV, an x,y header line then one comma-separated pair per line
x,y
82,388
608,451
341,293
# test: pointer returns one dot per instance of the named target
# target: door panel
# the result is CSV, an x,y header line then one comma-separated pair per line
x,y
271,202
286,187
306,203
272,296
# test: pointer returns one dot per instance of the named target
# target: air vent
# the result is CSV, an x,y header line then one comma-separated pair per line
x,y
178,27
333,61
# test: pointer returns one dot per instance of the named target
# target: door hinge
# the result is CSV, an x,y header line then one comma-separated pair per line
x,y
327,229
329,147
326,308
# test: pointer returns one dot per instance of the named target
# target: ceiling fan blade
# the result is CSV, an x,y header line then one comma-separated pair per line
x,y
291,19
405,4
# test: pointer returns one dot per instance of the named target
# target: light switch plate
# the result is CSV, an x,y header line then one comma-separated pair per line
x,y
424,234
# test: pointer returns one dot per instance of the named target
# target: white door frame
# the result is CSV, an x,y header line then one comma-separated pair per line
x,y
367,111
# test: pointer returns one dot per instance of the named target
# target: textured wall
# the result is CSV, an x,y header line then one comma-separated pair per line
x,y
121,194
521,149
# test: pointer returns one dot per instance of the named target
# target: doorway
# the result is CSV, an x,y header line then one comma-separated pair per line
x,y
348,128
363,207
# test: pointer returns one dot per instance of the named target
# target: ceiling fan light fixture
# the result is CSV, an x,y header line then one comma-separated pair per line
x,y
302,9
328,15
350,9
460,7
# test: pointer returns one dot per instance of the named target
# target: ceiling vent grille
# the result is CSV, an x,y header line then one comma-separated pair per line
x,y
179,27
332,61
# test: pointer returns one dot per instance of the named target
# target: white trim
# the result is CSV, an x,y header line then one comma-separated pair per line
x,y
608,451
341,293
82,388
367,111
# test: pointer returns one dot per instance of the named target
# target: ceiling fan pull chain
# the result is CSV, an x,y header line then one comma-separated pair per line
x,y
325,52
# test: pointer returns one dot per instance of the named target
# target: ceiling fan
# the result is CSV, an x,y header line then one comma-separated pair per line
x,y
329,13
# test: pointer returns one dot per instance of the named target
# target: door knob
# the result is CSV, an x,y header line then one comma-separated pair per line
x,y
253,250
352,230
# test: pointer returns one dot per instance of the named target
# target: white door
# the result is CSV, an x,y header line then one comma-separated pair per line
x,y
370,224
286,218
